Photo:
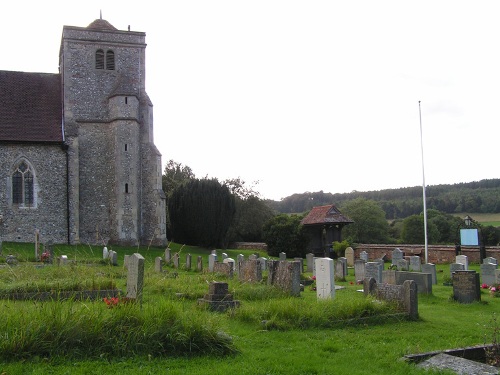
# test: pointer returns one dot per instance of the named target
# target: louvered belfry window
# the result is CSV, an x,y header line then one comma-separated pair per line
x,y
110,60
99,59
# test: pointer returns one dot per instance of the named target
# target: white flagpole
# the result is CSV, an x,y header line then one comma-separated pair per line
x,y
423,184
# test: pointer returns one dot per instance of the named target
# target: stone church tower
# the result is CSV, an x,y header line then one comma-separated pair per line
x,y
112,168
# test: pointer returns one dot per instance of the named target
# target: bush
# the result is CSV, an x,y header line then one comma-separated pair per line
x,y
284,233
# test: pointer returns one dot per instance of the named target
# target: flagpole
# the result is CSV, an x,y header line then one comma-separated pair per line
x,y
423,184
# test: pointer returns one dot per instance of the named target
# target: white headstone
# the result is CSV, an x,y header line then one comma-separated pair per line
x,y
325,282
135,276
415,263
105,253
211,261
462,259
363,256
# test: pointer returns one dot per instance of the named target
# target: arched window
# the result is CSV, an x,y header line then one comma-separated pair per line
x,y
99,59
110,60
23,187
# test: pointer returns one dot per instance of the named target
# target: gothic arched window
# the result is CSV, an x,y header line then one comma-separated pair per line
x,y
23,187
110,60
99,59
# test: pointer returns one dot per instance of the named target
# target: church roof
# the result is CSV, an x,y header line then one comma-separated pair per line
x,y
31,107
100,24
325,215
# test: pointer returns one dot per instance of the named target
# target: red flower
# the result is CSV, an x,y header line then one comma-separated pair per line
x,y
484,286
110,302
313,278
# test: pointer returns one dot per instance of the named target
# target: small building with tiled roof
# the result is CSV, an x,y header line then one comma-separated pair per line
x,y
78,163
323,226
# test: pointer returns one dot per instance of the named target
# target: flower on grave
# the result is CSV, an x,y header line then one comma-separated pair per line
x,y
313,285
45,257
484,286
111,302
351,283
495,290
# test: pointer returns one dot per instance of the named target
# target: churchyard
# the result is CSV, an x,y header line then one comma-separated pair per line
x,y
146,310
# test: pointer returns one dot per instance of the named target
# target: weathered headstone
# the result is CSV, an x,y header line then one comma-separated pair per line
x,y
214,252
466,288
188,261
363,256
176,260
105,253
11,260
263,263
430,268
212,259
397,255
301,260
497,276
309,262
239,258
405,295
63,260
488,273
282,256
490,260
339,270
285,275
199,264
463,259
423,280
168,255
224,256
135,277
359,269
225,268
415,263
343,260
253,257
158,265
325,283
218,297
250,271
349,255
373,270
403,265
456,267
113,257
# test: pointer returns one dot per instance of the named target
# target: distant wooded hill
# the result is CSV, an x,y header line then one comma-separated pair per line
x,y
479,196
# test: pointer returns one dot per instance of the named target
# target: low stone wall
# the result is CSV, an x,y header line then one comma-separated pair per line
x,y
437,254
248,246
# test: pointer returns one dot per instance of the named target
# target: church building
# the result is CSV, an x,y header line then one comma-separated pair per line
x,y
78,161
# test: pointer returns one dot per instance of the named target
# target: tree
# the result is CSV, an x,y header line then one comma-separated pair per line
x,y
174,175
370,225
284,233
413,230
201,212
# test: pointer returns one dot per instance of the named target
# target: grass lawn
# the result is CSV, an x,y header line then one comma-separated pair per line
x,y
302,344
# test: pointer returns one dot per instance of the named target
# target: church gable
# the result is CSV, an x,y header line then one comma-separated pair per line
x,y
31,109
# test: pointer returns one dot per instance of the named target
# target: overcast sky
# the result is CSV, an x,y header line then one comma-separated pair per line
x,y
302,95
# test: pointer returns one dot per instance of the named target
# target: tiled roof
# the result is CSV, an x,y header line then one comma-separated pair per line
x,y
325,215
30,107
100,24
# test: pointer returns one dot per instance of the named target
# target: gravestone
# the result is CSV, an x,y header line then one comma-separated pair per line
x,y
214,252
240,258
11,260
363,256
250,271
359,269
463,259
301,260
343,260
430,268
415,263
405,296
253,257
285,275
373,270
105,253
339,270
314,266
212,259
188,262
224,256
225,269
135,277
113,257
349,255
176,260
263,263
490,260
423,280
218,297
488,273
456,267
325,283
63,260
397,255
168,255
199,264
310,262
402,265
466,287
37,244
158,265
497,276
282,256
